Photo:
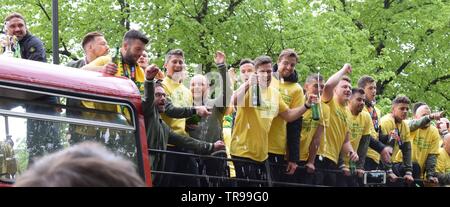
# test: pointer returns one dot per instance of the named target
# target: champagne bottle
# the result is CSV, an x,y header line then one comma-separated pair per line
x,y
8,52
256,100
315,111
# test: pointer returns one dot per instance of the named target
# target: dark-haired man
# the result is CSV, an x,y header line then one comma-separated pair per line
x,y
284,138
369,85
396,133
360,137
133,45
253,121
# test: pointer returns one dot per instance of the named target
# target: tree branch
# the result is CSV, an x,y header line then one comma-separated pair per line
x,y
202,13
230,10
65,52
125,9
381,87
435,81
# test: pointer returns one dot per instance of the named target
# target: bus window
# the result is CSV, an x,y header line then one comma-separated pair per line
x,y
33,124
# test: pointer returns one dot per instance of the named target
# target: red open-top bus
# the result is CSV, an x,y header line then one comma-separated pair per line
x,y
49,107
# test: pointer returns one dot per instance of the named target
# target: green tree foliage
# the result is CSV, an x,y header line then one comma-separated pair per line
x,y
404,44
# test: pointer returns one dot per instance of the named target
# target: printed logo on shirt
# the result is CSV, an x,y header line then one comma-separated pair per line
x,y
356,130
309,124
286,98
421,143
342,116
32,49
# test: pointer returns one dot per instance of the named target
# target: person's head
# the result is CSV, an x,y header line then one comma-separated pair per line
x,y
143,60
286,62
357,100
95,44
314,84
369,85
133,46
400,107
246,67
263,67
343,90
87,164
421,109
446,143
443,124
174,62
15,25
160,97
199,88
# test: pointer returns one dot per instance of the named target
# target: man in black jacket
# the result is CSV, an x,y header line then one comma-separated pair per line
x,y
39,133
31,47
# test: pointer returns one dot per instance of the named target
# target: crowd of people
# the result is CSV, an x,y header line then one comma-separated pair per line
x,y
324,132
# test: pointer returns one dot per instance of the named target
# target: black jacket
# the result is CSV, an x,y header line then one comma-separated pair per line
x,y
32,48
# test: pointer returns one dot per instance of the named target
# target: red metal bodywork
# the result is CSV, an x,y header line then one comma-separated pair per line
x,y
61,78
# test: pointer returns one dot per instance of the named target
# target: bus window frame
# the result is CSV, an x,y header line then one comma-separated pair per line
x,y
88,97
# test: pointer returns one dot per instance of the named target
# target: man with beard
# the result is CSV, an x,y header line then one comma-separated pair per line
x,y
360,137
42,136
31,47
284,138
124,63
159,134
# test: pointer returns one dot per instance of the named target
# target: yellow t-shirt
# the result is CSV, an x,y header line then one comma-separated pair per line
x,y
443,162
292,94
424,142
137,76
252,124
371,153
387,124
336,131
309,127
359,125
180,97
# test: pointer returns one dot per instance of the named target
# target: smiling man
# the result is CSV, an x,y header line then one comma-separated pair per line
x,y
31,47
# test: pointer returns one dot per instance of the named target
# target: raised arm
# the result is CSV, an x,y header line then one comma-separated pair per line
x,y
333,81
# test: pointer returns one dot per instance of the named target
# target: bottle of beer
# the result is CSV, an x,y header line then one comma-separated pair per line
x,y
352,167
256,100
116,56
399,139
315,111
193,120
